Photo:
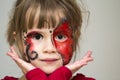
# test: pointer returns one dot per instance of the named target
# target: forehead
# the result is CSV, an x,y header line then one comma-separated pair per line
x,y
43,30
38,18
62,29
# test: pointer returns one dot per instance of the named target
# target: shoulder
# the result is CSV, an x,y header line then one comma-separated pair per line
x,y
80,76
9,78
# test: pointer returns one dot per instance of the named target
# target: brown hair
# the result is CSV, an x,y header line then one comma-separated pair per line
x,y
24,13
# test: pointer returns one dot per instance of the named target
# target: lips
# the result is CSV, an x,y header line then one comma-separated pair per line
x,y
49,59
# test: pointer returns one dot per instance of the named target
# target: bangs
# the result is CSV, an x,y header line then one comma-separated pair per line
x,y
44,15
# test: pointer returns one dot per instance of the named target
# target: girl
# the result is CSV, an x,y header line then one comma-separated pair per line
x,y
43,35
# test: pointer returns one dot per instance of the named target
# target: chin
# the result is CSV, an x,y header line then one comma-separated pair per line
x,y
48,68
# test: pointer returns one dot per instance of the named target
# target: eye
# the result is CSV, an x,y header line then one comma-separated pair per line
x,y
61,37
37,36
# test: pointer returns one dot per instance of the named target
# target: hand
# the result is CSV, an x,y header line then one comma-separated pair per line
x,y
25,67
78,64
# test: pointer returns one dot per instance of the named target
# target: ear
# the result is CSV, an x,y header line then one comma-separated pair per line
x,y
14,35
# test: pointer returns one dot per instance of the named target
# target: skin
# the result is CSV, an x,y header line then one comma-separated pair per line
x,y
61,37
26,67
48,59
31,54
64,47
47,50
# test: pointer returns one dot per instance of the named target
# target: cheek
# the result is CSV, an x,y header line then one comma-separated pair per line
x,y
35,45
30,50
65,49
38,46
30,44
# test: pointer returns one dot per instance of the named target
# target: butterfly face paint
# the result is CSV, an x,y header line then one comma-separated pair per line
x,y
31,54
62,37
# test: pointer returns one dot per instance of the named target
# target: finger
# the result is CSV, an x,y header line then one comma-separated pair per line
x,y
78,64
25,67
86,61
12,53
87,58
12,48
88,54
90,59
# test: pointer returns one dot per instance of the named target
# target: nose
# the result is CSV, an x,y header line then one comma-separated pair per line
x,y
49,47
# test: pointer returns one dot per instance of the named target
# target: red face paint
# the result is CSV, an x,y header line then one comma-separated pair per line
x,y
65,48
29,39
31,54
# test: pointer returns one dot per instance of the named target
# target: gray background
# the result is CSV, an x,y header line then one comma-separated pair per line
x,y
102,36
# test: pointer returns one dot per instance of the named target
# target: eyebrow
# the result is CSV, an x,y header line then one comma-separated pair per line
x,y
31,33
62,21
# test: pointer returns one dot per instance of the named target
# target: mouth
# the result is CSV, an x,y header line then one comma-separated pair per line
x,y
49,60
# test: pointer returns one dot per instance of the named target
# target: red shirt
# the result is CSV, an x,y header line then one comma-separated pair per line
x,y
62,73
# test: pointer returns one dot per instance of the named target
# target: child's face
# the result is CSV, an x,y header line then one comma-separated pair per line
x,y
49,49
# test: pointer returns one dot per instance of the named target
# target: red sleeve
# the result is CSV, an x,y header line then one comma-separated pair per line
x,y
82,77
63,73
9,78
36,74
